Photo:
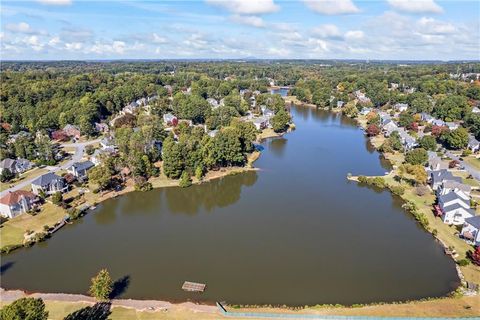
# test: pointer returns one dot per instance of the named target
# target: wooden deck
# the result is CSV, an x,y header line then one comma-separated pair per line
x,y
193,286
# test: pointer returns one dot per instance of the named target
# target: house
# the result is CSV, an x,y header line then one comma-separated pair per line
x,y
59,135
426,117
471,230
22,134
7,164
49,183
365,111
72,131
436,164
401,107
213,103
267,112
107,143
439,176
170,120
456,214
101,127
475,110
456,185
384,117
473,144
438,123
393,85
17,202
340,104
452,125
261,123
408,141
79,169
454,198
99,154
213,133
389,127
22,165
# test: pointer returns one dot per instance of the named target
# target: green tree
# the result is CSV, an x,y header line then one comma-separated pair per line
x,y
102,286
457,139
395,142
57,198
173,163
25,309
417,156
405,119
428,143
185,180
101,175
280,121
6,175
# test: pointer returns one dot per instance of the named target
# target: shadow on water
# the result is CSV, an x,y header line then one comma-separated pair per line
x,y
4,267
99,311
120,287
277,146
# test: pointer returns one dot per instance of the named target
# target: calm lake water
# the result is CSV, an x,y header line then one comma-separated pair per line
x,y
296,232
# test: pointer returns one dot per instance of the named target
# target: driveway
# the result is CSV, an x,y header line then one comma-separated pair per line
x,y
76,157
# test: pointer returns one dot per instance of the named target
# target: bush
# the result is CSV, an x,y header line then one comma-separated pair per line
x,y
141,184
417,156
421,190
185,180
463,262
57,198
397,190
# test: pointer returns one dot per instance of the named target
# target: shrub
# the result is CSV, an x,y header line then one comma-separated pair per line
x,y
57,198
463,262
421,190
141,184
397,190
25,309
185,180
417,156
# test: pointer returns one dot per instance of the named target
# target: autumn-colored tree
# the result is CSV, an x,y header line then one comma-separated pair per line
x,y
437,131
373,130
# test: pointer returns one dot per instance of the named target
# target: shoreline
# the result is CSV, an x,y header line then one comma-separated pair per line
x,y
427,307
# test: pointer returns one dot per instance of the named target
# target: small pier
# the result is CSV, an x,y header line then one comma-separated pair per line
x,y
193,286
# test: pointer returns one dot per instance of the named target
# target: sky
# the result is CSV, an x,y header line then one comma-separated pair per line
x,y
236,29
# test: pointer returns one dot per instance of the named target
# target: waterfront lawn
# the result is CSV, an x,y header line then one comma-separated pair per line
x,y
12,231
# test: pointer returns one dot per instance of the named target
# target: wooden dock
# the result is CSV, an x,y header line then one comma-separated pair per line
x,y
193,286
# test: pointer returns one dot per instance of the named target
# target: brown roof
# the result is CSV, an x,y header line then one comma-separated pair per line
x,y
14,197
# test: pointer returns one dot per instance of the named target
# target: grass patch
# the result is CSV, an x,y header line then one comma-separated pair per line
x,y
474,162
12,231
36,172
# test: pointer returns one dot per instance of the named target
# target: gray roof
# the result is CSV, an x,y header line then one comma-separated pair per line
x,y
85,165
456,183
7,163
46,179
474,221
457,206
451,196
441,175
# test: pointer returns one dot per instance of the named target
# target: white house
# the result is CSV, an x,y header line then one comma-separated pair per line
x,y
452,125
17,202
439,176
401,107
427,118
79,169
214,103
389,127
475,110
471,230
340,104
448,186
456,214
49,183
261,123
473,144
453,198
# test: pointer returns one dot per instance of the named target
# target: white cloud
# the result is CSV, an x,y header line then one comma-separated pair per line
x,y
332,7
56,2
252,21
116,47
435,27
73,46
158,39
23,27
248,7
54,41
33,42
354,35
327,31
416,6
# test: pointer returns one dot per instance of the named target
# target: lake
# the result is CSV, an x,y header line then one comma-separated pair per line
x,y
296,232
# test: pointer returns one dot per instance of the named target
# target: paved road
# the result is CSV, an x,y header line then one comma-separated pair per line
x,y
470,169
77,156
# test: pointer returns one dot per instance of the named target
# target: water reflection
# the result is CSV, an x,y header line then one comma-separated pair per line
x,y
277,146
218,193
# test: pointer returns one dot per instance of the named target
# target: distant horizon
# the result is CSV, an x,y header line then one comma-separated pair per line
x,y
85,30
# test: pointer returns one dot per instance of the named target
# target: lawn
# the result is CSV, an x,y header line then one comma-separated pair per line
x,y
12,231
36,172
474,162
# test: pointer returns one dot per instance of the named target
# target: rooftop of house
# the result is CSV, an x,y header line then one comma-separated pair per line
x,y
85,165
7,163
456,183
442,175
452,196
457,206
46,179
15,196
474,221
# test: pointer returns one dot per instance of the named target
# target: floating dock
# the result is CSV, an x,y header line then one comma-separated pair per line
x,y
193,286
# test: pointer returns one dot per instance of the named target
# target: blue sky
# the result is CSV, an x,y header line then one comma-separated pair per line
x,y
317,29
